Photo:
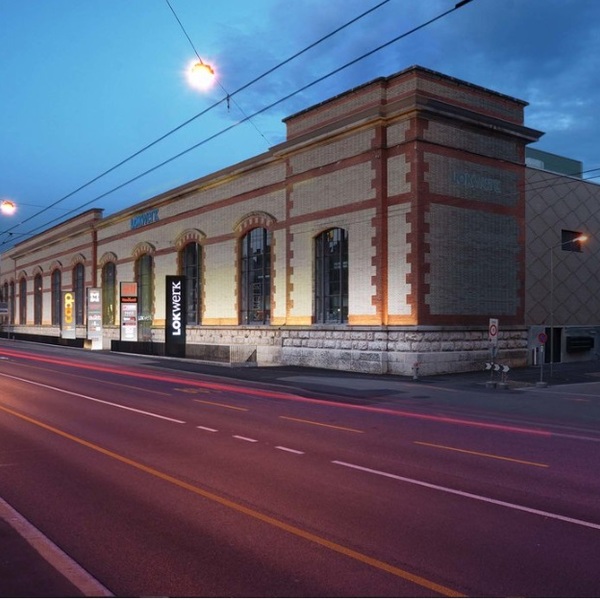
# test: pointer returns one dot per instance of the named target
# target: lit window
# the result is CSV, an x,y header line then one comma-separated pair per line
x,y
37,299
256,277
191,267
23,301
55,297
109,287
331,276
144,273
11,301
79,289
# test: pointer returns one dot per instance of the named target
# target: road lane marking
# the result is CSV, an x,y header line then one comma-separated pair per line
x,y
496,456
221,405
322,424
291,450
104,382
69,393
245,439
249,512
85,582
440,488
207,429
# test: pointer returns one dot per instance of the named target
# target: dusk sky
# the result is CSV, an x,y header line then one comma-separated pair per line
x,y
86,84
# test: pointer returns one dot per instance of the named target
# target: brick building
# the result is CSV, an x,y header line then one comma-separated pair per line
x,y
387,229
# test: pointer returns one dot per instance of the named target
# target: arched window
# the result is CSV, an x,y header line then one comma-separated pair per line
x,y
144,276
11,302
256,277
109,293
79,291
55,296
37,299
191,269
23,301
331,276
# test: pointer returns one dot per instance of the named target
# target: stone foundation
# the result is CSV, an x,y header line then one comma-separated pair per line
x,y
397,351
360,349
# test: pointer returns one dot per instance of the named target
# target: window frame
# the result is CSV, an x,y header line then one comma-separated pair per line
x,y
38,292
56,297
191,270
255,276
23,300
328,299
79,292
109,293
144,277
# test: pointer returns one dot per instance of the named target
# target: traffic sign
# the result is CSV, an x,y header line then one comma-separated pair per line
x,y
493,331
542,338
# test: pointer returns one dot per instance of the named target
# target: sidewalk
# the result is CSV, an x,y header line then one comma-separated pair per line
x,y
26,573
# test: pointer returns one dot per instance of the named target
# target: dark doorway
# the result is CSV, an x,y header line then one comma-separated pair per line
x,y
553,347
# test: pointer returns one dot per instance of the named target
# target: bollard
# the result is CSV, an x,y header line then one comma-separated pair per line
x,y
415,371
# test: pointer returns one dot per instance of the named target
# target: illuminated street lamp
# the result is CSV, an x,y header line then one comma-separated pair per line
x,y
201,75
579,238
8,207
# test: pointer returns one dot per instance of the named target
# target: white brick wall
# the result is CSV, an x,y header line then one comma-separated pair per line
x,y
398,169
334,190
220,281
398,267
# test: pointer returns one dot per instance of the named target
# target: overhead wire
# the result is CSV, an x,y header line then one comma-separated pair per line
x,y
228,97
539,185
185,123
261,111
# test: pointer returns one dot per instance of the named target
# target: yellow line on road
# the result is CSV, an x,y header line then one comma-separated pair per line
x,y
221,405
495,456
240,508
322,424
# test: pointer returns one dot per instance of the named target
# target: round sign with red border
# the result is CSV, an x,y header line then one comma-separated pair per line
x,y
542,338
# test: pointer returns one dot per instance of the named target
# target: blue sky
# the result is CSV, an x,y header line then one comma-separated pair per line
x,y
87,83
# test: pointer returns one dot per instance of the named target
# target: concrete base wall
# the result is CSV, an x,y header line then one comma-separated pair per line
x,y
361,349
374,350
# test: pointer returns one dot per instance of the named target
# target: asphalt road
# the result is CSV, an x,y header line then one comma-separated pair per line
x,y
163,482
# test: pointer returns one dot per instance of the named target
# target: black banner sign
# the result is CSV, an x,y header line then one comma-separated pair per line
x,y
176,316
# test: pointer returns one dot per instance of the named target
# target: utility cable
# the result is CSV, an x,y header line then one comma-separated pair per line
x,y
262,110
190,120
228,95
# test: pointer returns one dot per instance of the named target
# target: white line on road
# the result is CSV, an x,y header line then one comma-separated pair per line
x,y
244,439
207,429
440,488
289,450
69,393
88,585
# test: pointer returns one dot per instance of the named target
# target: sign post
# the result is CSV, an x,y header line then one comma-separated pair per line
x,y
176,316
129,311
542,339
94,318
493,338
69,329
